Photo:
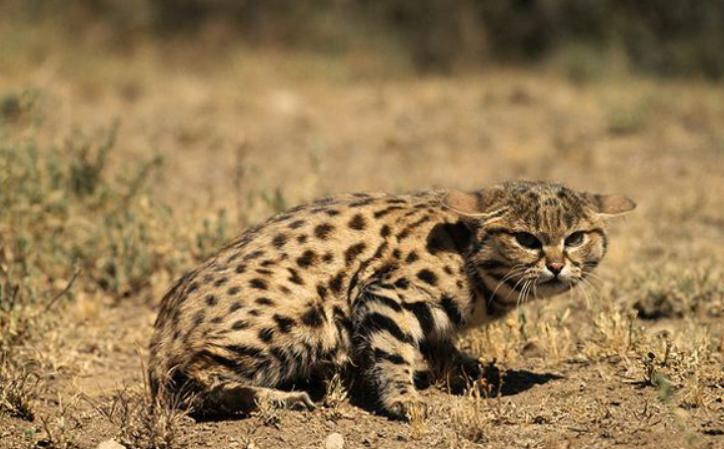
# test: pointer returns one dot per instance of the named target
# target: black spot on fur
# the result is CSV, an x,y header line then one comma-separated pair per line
x,y
268,263
255,255
294,277
254,312
380,251
284,323
449,237
239,325
332,212
302,238
328,257
427,277
336,283
232,291
412,257
259,284
266,335
193,287
217,320
313,317
358,222
322,291
296,224
208,279
327,200
386,211
284,289
402,283
361,203
448,270
396,254
323,231
385,231
240,269
396,201
211,300
263,301
199,318
307,259
234,307
279,241
353,252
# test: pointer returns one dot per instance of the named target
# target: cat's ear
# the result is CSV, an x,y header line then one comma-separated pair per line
x,y
612,205
476,205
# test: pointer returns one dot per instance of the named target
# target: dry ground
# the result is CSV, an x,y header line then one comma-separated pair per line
x,y
637,361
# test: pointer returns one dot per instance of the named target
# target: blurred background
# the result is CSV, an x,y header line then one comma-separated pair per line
x,y
659,37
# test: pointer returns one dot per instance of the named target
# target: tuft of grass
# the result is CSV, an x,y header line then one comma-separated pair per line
x,y
60,428
18,391
335,394
469,418
143,421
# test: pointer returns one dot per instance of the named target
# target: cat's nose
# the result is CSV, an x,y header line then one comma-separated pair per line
x,y
555,268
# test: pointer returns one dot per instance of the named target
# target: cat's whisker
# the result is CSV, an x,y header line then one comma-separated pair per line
x,y
513,272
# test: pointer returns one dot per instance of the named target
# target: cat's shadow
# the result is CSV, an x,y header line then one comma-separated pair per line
x,y
507,383
518,381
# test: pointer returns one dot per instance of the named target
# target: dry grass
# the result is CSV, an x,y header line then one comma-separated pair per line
x,y
142,421
18,391
199,154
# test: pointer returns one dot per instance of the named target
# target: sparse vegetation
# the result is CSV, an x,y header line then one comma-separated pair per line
x,y
142,421
98,215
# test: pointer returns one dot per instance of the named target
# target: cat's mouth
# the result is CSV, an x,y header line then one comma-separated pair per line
x,y
555,282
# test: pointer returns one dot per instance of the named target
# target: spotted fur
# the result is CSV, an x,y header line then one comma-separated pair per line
x,y
381,282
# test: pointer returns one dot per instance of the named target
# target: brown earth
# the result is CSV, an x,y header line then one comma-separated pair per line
x,y
577,371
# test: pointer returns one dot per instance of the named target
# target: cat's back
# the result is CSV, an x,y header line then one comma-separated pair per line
x,y
286,279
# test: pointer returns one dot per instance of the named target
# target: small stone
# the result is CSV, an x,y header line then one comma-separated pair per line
x,y
110,444
334,441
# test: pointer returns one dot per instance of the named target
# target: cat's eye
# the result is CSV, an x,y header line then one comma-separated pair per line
x,y
527,240
574,239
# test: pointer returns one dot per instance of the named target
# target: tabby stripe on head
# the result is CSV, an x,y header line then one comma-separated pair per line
x,y
492,265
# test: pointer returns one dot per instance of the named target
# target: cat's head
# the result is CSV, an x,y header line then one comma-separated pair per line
x,y
534,239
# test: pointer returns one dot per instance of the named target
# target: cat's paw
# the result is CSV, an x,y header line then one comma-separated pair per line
x,y
405,407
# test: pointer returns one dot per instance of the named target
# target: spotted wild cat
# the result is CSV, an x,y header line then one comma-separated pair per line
x,y
383,282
